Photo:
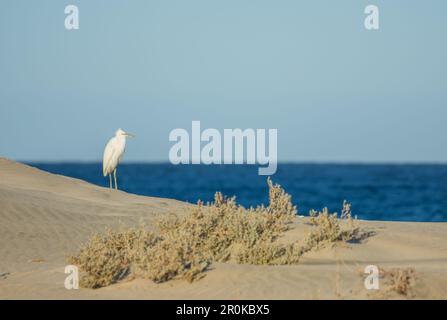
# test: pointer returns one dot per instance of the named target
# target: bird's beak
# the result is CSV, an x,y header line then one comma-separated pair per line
x,y
130,135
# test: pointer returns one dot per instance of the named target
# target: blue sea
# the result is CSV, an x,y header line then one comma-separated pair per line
x,y
377,192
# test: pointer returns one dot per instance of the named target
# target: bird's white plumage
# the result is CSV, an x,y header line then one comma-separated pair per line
x,y
113,153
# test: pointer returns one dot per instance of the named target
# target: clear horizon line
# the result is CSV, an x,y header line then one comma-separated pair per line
x,y
317,162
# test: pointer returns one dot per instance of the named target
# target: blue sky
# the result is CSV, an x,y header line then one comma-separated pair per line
x,y
334,91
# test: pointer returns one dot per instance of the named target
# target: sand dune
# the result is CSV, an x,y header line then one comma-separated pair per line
x,y
44,217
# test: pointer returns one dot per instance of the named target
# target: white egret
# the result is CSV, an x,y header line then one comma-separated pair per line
x,y
113,153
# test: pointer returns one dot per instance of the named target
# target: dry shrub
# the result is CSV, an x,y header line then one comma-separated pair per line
x,y
221,231
400,280
328,228
107,258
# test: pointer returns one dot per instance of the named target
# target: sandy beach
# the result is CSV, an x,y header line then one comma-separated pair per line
x,y
45,217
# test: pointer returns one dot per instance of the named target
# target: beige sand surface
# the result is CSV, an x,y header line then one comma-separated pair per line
x,y
44,217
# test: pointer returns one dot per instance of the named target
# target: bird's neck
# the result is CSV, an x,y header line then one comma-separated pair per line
x,y
121,138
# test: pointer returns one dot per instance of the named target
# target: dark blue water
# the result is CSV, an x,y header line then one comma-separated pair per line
x,y
377,192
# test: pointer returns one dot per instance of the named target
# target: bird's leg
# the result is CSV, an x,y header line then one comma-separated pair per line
x,y
114,174
110,180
